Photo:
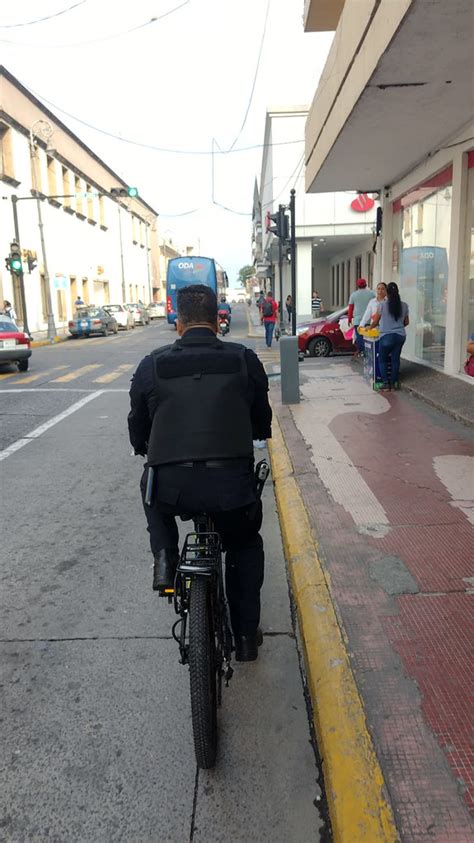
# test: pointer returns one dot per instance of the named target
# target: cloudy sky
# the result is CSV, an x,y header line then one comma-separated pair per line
x,y
182,84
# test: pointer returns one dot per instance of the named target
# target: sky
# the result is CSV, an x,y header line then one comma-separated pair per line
x,y
182,83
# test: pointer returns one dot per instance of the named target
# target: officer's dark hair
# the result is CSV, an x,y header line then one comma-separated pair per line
x,y
197,303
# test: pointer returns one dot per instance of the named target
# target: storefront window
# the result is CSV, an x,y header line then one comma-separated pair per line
x,y
468,303
422,264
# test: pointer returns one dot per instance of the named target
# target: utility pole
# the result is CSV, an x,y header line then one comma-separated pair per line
x,y
121,256
20,274
293,260
281,211
46,132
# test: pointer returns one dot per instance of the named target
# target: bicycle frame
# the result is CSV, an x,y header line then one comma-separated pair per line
x,y
201,556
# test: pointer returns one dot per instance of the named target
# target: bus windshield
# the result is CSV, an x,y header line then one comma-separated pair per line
x,y
184,271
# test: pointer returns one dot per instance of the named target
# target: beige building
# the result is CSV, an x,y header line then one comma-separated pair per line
x,y
393,113
105,249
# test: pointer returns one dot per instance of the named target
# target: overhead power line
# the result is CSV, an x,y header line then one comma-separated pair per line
x,y
41,20
254,78
103,37
154,147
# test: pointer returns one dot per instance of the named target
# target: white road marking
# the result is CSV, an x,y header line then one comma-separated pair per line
x,y
38,431
335,395
456,472
62,389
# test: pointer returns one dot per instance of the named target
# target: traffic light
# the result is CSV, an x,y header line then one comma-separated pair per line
x,y
124,191
15,258
32,260
280,223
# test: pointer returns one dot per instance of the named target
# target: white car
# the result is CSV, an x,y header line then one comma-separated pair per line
x,y
123,316
156,309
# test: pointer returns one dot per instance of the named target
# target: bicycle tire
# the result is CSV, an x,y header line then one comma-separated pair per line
x,y
202,673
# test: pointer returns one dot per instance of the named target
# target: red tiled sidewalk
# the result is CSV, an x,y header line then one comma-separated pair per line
x,y
411,652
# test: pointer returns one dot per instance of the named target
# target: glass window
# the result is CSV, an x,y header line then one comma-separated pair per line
x,y
423,265
468,298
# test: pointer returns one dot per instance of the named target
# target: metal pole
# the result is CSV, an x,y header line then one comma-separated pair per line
x,y
49,301
20,274
150,291
280,271
293,260
121,256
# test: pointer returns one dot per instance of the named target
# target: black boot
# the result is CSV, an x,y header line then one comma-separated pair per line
x,y
246,646
164,569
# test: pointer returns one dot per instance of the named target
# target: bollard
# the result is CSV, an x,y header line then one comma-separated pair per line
x,y
289,368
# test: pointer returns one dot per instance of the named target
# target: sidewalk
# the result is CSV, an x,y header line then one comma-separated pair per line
x,y
388,488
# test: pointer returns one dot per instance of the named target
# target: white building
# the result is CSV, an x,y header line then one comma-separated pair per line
x,y
334,231
394,112
103,249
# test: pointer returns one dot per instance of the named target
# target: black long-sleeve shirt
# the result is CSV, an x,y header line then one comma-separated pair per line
x,y
142,388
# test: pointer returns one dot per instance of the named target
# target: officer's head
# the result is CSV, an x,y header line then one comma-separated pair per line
x,y
197,305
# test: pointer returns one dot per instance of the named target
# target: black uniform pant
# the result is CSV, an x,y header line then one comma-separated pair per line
x,y
227,495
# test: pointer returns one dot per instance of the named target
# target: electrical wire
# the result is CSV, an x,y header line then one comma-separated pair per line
x,y
171,150
262,40
41,20
102,38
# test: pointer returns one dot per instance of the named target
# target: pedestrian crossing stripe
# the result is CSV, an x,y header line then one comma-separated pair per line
x,y
77,373
117,373
38,376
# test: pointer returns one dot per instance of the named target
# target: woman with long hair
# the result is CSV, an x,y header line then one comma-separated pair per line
x,y
373,305
392,318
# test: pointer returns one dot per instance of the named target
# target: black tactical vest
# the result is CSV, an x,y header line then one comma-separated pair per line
x,y
201,402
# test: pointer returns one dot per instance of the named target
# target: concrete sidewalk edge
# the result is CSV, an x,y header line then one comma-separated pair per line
x,y
39,343
251,334
355,788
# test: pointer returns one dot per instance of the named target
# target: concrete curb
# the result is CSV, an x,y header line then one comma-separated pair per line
x,y
39,343
358,804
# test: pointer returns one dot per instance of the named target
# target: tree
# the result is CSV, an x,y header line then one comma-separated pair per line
x,y
245,273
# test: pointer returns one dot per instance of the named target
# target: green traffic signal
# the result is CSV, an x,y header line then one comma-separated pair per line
x,y
132,191
15,264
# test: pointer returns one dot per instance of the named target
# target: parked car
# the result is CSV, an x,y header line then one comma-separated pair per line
x,y
140,313
15,345
92,320
323,335
123,316
156,309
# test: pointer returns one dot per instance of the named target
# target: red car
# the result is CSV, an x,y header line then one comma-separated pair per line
x,y
323,336
15,345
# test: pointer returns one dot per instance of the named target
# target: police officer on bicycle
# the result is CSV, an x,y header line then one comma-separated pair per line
x,y
196,407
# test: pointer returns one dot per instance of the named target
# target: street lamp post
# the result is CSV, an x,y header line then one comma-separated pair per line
x,y
43,129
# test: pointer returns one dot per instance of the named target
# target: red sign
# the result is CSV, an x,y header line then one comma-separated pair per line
x,y
362,203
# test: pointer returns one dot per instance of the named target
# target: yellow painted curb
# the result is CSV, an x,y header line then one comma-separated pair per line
x,y
39,343
355,789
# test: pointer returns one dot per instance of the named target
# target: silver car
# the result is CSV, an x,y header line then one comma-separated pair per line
x,y
140,313
92,320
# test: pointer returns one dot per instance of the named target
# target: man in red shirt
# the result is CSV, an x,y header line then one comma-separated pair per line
x,y
269,314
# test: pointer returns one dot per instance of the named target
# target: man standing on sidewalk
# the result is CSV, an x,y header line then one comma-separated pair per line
x,y
269,314
358,302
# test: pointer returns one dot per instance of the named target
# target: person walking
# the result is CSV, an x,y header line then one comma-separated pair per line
x,y
392,317
8,309
78,301
259,303
289,307
358,302
316,304
269,316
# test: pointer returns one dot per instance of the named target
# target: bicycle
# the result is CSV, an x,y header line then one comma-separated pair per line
x,y
204,636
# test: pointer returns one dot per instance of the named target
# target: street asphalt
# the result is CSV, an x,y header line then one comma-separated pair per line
x,y
95,723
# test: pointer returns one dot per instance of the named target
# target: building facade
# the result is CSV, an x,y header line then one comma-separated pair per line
x,y
394,112
335,231
98,247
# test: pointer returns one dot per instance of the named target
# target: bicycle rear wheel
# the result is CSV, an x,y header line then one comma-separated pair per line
x,y
202,672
